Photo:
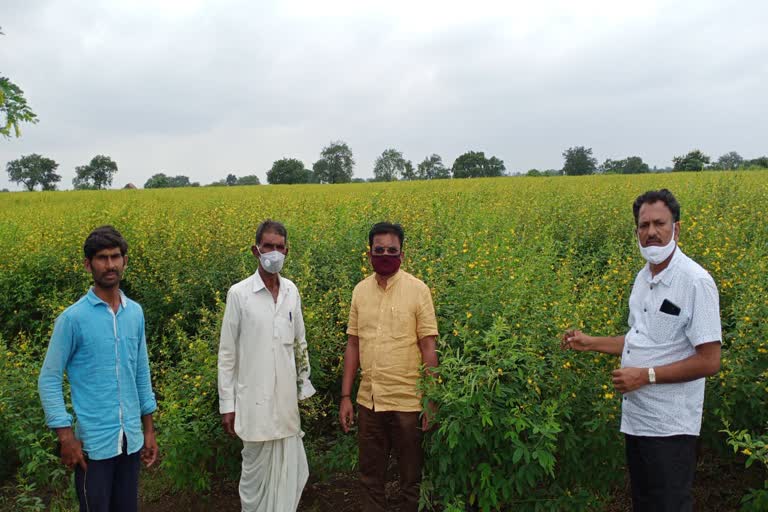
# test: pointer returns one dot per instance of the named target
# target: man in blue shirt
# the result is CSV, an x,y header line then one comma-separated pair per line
x,y
100,343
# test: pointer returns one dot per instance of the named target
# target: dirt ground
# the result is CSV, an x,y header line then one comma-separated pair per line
x,y
718,487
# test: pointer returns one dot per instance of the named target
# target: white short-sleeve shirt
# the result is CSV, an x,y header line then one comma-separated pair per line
x,y
669,315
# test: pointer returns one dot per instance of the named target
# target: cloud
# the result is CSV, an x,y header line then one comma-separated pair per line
x,y
205,88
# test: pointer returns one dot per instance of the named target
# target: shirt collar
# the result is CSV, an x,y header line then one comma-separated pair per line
x,y
258,283
95,300
667,275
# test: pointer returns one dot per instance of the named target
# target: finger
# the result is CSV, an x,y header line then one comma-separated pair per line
x,y
151,456
83,465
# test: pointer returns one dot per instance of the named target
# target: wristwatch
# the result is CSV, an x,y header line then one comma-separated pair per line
x,y
651,376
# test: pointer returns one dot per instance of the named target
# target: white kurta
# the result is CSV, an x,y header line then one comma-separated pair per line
x,y
259,382
258,379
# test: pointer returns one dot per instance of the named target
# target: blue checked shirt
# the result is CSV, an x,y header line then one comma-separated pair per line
x,y
105,358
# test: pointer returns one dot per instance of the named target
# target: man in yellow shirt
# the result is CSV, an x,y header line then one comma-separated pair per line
x,y
392,332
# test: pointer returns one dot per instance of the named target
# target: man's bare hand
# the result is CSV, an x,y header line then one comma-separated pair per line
x,y
72,453
228,422
149,451
346,414
629,379
427,417
574,339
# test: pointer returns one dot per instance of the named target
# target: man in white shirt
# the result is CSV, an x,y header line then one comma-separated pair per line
x,y
260,381
673,343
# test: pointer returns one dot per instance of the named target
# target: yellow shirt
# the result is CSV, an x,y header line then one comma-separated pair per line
x,y
389,324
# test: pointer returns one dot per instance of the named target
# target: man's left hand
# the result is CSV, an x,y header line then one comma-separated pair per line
x,y
149,452
629,379
427,416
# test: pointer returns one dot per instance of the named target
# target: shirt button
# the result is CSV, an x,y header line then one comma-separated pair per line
x,y
637,331
651,287
627,351
625,399
645,310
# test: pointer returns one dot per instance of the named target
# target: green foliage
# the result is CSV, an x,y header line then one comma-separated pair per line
x,y
391,166
14,108
432,168
579,161
755,448
336,164
160,180
629,165
729,162
250,179
33,170
96,175
288,171
693,161
473,164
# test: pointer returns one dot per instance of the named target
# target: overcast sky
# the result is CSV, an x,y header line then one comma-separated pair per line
x,y
206,88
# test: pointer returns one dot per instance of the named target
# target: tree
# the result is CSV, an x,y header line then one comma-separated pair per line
x,y
693,161
288,171
432,168
390,166
159,180
757,162
96,175
251,179
33,170
629,165
231,180
474,165
579,161
729,161
336,164
533,172
409,173
13,108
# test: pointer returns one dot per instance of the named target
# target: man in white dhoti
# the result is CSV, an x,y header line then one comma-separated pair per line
x,y
262,337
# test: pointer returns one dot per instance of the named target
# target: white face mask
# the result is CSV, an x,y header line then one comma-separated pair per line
x,y
272,262
654,254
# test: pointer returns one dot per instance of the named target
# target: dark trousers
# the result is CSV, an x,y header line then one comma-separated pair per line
x,y
379,434
661,472
109,485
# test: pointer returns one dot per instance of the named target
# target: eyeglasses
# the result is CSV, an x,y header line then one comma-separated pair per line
x,y
381,251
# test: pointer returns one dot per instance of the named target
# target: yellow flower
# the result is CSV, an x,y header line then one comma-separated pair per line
x,y
500,371
469,314
608,396
746,451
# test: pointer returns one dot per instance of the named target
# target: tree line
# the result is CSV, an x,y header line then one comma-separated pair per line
x,y
336,165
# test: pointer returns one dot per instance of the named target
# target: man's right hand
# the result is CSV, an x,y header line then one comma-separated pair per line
x,y
346,414
575,340
228,422
72,451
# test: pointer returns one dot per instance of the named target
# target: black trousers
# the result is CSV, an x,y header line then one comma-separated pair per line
x,y
661,472
109,485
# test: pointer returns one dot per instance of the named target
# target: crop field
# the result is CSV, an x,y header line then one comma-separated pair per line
x,y
511,262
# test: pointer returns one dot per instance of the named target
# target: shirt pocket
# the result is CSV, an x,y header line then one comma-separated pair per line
x,y
666,328
249,394
284,329
402,322
131,348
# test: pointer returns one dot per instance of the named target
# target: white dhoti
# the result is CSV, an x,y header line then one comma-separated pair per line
x,y
273,475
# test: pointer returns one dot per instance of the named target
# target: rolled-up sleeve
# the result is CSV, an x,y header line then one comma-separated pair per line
x,y
147,401
49,383
230,328
306,388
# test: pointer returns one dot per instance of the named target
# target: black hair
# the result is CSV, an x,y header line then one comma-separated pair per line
x,y
652,196
271,226
104,237
381,228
